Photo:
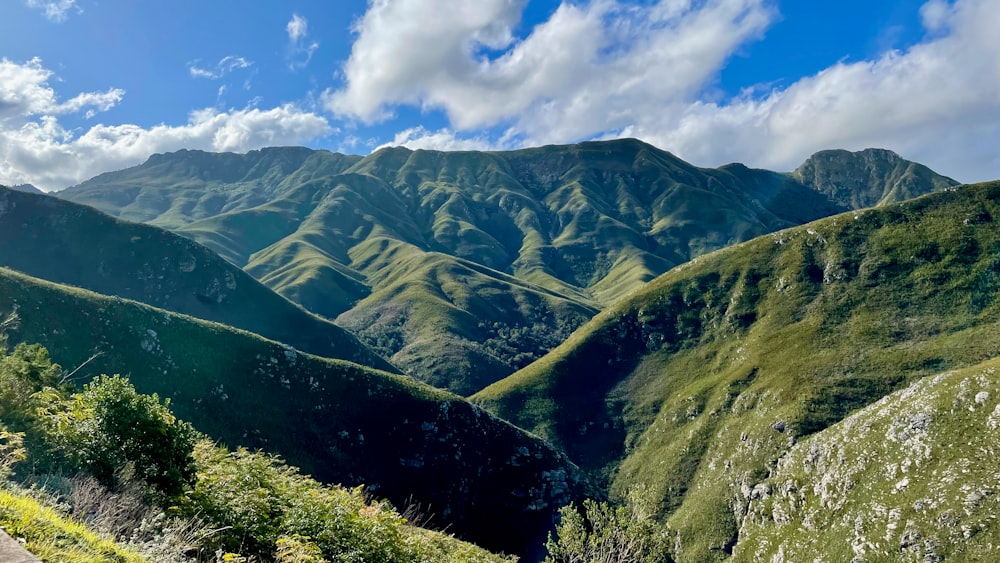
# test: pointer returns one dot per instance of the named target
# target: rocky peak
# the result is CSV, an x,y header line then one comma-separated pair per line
x,y
868,178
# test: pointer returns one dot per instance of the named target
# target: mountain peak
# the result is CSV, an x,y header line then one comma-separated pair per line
x,y
27,188
869,177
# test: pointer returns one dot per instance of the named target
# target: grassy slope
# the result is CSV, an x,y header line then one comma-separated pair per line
x,y
173,190
51,536
576,227
68,243
342,422
912,477
695,385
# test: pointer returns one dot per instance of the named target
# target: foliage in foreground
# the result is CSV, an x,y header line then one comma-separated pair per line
x,y
609,533
52,536
265,504
142,474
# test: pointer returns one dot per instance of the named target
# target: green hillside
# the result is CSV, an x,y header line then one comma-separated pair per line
x,y
694,387
486,480
460,267
67,243
912,477
173,190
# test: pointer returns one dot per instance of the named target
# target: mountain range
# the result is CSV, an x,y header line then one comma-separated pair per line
x,y
781,368
76,245
461,267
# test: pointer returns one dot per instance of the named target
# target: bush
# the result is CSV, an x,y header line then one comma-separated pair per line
x,y
266,509
605,533
261,500
109,426
24,371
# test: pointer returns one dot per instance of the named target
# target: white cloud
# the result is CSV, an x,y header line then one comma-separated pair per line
x,y
24,92
297,28
300,48
937,102
591,67
224,66
35,148
604,68
54,10
441,140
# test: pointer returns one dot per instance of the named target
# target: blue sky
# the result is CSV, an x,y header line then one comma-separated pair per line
x,y
88,86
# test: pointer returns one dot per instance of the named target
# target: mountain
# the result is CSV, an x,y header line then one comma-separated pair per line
x,y
484,479
697,388
27,188
72,244
868,178
460,267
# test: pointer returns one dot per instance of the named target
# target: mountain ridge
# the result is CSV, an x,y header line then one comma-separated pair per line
x,y
581,225
69,243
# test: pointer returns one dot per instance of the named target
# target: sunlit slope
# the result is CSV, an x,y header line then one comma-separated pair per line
x,y
344,423
576,227
63,242
913,477
172,190
695,385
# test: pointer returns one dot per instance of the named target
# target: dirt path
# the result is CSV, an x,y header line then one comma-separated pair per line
x,y
12,552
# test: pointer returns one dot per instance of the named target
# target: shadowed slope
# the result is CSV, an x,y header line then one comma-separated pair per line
x,y
487,480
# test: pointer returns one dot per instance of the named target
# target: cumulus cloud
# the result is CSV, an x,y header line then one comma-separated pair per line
x,y
54,10
35,148
300,47
224,66
24,92
606,68
937,102
440,140
591,67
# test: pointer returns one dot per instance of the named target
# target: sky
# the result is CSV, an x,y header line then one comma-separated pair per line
x,y
89,86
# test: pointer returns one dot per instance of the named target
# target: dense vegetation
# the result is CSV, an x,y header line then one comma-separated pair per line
x,y
122,462
463,267
73,244
911,477
694,387
344,423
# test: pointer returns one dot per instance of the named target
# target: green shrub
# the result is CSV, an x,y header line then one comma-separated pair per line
x,y
260,500
109,426
266,509
26,370
606,533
